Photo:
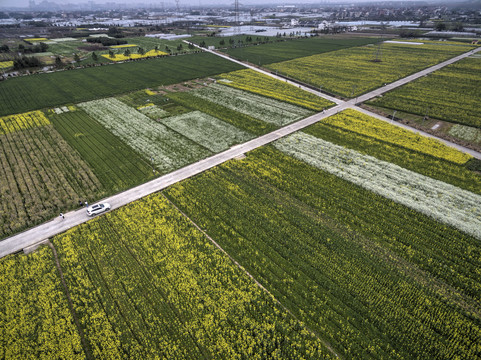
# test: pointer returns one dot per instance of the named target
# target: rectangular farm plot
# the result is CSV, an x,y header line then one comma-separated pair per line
x,y
253,81
19,122
34,313
354,71
22,93
186,99
145,283
259,107
153,111
168,149
390,143
114,163
367,274
210,132
41,176
359,123
451,94
446,203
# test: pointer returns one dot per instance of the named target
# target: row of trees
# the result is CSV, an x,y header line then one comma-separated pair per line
x,y
105,41
42,47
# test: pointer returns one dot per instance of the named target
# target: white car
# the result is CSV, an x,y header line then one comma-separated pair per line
x,y
98,209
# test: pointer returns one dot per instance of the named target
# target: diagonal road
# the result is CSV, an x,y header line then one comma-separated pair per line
x,y
56,226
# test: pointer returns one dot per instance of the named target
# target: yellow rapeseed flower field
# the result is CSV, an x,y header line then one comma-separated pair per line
x,y
359,123
6,64
35,319
257,83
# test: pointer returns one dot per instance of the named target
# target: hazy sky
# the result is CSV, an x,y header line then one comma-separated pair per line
x,y
24,3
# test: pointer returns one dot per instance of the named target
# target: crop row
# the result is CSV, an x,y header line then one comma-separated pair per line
x,y
23,121
290,49
212,133
372,277
6,64
354,71
444,202
144,291
35,319
152,111
220,111
433,167
259,107
168,149
48,90
359,123
261,84
451,94
114,163
122,57
42,175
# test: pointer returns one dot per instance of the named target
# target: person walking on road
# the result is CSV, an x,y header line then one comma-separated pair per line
x,y
62,216
86,203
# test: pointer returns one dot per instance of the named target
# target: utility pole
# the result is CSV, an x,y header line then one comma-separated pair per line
x,y
236,17
393,114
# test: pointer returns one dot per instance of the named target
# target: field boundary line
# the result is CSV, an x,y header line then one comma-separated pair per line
x,y
243,269
85,345
280,78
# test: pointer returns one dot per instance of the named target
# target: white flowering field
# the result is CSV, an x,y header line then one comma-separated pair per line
x,y
168,149
212,133
153,111
259,107
444,202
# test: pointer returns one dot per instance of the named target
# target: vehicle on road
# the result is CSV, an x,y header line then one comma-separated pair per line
x,y
98,209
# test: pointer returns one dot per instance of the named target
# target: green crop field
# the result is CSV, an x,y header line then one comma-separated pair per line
x,y
291,49
351,72
114,163
143,291
365,273
47,90
450,94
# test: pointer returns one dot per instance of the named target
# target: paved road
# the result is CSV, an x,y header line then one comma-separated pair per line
x,y
361,98
56,226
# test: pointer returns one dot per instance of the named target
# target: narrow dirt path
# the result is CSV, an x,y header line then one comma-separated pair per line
x,y
243,269
86,347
